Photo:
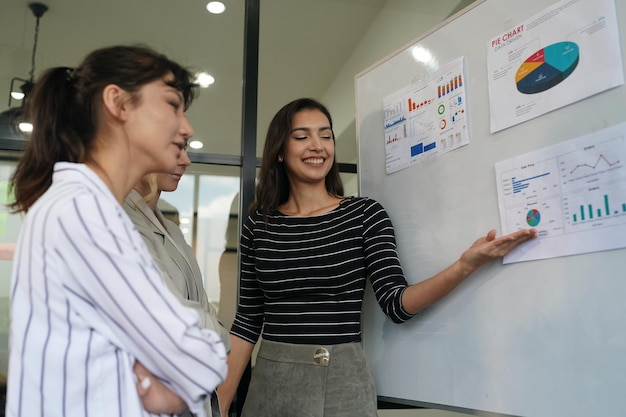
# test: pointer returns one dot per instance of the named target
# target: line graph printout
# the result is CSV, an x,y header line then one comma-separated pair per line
x,y
566,53
573,193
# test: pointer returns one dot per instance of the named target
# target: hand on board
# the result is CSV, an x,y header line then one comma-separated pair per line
x,y
488,247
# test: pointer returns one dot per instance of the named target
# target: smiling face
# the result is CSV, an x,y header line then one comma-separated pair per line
x,y
157,127
309,150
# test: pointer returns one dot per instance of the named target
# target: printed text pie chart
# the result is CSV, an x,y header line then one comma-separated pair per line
x,y
547,67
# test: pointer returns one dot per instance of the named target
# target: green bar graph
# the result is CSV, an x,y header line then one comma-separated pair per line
x,y
587,211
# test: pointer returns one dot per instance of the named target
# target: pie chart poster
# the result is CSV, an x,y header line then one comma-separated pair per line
x,y
564,54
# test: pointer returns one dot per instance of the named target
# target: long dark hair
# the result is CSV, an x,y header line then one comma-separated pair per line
x,y
65,107
273,186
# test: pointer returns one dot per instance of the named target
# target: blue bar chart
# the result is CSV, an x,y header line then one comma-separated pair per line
x,y
532,180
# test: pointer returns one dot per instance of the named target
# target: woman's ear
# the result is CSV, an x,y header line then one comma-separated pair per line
x,y
114,100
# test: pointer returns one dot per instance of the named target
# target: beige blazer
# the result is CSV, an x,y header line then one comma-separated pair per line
x,y
176,259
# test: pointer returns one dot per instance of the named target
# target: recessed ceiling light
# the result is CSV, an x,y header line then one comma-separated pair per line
x,y
25,127
204,79
215,7
196,144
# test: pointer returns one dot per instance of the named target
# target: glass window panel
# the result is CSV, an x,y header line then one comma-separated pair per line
x,y
184,31
9,229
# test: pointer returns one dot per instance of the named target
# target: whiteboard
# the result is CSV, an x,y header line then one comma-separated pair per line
x,y
536,338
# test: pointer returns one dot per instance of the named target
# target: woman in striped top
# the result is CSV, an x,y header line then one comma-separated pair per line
x,y
306,254
94,329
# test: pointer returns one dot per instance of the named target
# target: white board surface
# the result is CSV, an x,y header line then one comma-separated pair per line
x,y
536,338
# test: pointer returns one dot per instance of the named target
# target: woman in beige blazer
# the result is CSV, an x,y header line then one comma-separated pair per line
x,y
170,251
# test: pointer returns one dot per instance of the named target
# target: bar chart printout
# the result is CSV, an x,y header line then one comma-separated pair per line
x,y
426,119
573,193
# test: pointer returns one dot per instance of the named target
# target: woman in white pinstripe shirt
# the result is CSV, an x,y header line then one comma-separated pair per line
x,y
90,313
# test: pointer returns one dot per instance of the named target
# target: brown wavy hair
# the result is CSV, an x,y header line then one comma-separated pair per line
x,y
273,186
65,105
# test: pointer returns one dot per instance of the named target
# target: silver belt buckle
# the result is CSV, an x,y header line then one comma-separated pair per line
x,y
321,357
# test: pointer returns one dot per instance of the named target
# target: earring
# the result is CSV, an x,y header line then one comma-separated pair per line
x,y
280,158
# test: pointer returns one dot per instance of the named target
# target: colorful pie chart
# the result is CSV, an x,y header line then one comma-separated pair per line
x,y
533,217
547,67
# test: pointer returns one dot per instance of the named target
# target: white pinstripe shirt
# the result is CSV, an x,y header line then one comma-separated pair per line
x,y
87,301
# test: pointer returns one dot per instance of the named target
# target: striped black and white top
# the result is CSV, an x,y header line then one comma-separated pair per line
x,y
87,301
303,278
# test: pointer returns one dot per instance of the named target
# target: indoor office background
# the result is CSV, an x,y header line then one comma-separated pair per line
x,y
261,54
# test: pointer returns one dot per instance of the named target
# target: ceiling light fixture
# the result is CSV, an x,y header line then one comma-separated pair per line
x,y
196,144
204,79
12,125
215,7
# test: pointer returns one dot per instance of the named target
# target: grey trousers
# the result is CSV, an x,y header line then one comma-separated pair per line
x,y
288,382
